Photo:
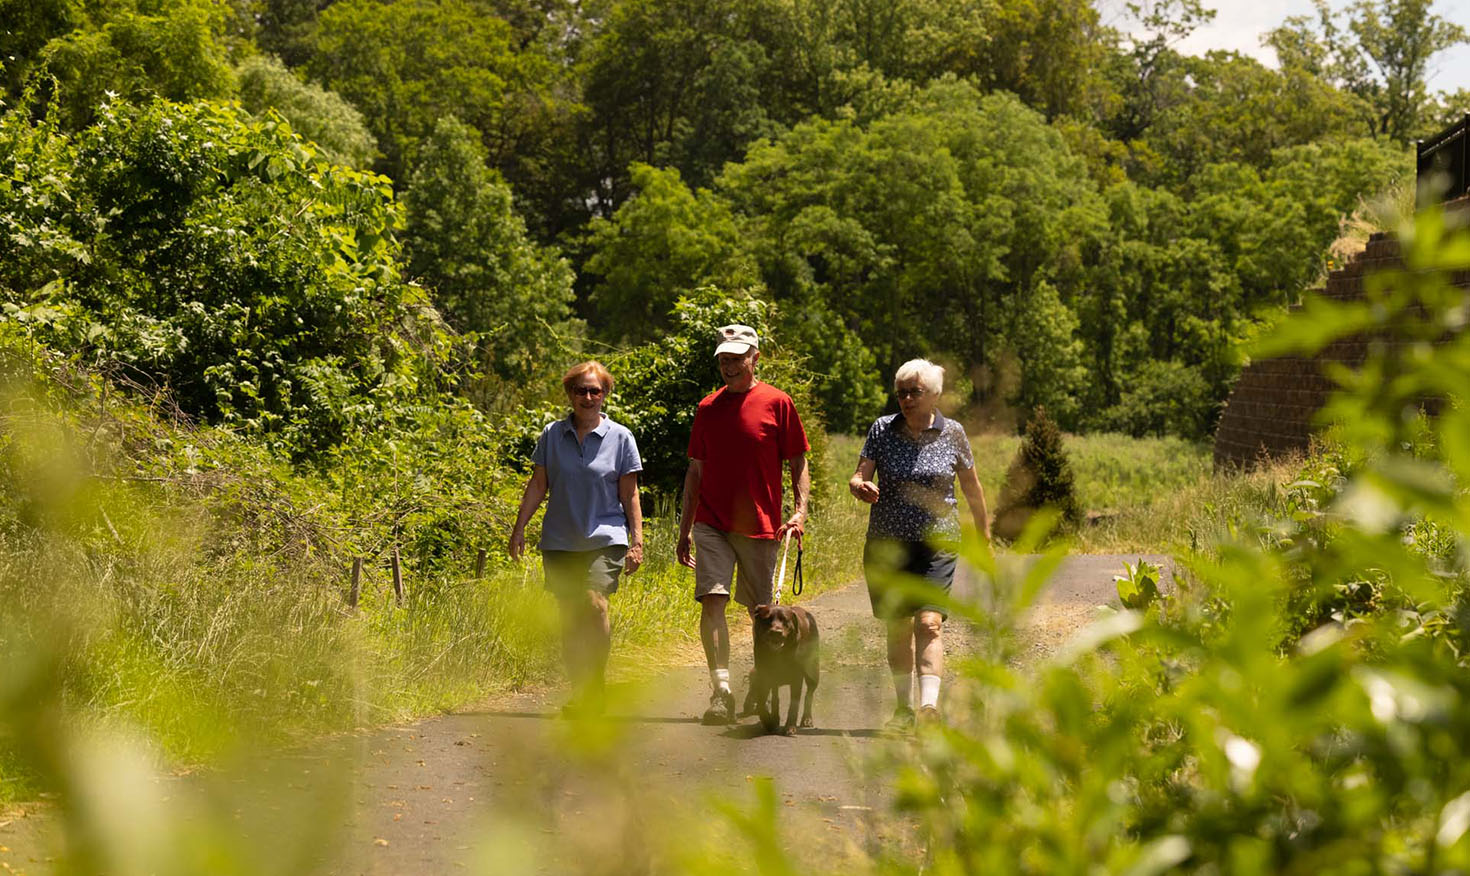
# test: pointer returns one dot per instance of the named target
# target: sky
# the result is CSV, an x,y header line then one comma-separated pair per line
x,y
1239,24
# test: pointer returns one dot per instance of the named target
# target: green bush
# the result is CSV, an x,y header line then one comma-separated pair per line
x,y
193,250
1164,398
318,115
1039,477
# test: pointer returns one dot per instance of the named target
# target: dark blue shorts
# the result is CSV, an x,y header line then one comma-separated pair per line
x,y
895,569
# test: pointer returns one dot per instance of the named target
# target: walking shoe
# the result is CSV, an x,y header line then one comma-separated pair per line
x,y
901,723
721,708
929,715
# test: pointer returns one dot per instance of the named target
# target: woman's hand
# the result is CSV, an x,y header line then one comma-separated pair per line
x,y
517,543
633,558
863,491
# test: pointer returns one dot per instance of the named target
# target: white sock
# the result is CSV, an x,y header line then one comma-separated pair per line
x,y
720,678
928,691
903,686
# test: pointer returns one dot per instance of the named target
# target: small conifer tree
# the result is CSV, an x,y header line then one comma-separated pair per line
x,y
1039,477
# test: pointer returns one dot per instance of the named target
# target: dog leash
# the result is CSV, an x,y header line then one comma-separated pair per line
x,y
796,579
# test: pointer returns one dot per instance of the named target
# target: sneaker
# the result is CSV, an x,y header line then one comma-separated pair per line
x,y
902,722
721,708
929,715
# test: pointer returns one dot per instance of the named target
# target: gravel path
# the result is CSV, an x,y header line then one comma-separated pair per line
x,y
509,787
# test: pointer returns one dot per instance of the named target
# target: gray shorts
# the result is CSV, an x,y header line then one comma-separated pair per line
x,y
719,556
569,574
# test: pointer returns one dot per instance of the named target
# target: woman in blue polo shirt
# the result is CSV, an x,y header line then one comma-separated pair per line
x,y
593,529
914,527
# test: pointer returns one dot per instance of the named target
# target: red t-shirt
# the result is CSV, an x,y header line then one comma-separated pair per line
x,y
742,438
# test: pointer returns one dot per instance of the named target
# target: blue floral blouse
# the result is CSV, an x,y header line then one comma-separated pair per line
x,y
916,478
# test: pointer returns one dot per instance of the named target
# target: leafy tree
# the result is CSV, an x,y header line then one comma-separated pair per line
x,y
916,230
1164,398
316,114
1040,337
465,242
286,28
672,82
28,25
659,246
1049,52
1147,75
174,49
407,64
211,255
1378,50
1230,107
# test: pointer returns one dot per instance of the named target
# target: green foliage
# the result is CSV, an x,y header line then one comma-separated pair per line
x,y
318,115
215,257
407,64
1138,586
1301,703
1164,398
29,26
1376,50
658,247
1040,477
465,242
174,49
951,208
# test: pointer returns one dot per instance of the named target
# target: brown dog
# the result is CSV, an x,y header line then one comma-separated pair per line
x,y
787,654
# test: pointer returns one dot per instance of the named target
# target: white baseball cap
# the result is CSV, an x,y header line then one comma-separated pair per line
x,y
737,339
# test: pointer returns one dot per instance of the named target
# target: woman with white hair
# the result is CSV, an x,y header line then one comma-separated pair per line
x,y
906,471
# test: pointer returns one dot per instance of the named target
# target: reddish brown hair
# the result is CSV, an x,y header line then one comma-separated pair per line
x,y
593,367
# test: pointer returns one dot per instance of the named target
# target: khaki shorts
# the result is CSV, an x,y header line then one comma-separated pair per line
x,y
569,574
717,557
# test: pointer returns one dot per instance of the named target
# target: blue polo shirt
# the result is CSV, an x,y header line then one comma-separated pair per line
x,y
582,508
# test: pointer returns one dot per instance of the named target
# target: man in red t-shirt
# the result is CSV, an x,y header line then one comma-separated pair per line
x,y
731,515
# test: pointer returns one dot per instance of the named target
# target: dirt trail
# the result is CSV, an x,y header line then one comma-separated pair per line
x,y
509,787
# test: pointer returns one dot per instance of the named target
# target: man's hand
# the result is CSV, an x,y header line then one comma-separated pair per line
x,y
795,526
517,543
686,550
863,491
633,558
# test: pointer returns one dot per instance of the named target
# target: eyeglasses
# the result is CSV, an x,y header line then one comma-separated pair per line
x,y
588,391
916,392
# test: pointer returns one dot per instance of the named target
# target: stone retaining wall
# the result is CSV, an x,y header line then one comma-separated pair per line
x,y
1270,412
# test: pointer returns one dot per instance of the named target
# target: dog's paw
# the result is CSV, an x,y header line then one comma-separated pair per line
x,y
807,724
788,730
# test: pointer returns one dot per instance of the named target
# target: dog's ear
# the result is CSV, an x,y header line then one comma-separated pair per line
x,y
763,612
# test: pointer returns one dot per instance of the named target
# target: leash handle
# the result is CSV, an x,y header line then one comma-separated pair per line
x,y
781,575
796,581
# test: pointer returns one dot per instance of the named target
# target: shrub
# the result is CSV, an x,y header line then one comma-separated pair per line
x,y
1039,477
1164,398
215,257
315,113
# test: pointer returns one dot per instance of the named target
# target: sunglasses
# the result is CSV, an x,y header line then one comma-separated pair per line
x,y
588,391
916,392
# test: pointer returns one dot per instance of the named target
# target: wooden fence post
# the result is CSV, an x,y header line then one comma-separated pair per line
x,y
397,577
480,564
356,589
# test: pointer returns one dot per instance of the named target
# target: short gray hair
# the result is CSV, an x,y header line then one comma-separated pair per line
x,y
929,375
